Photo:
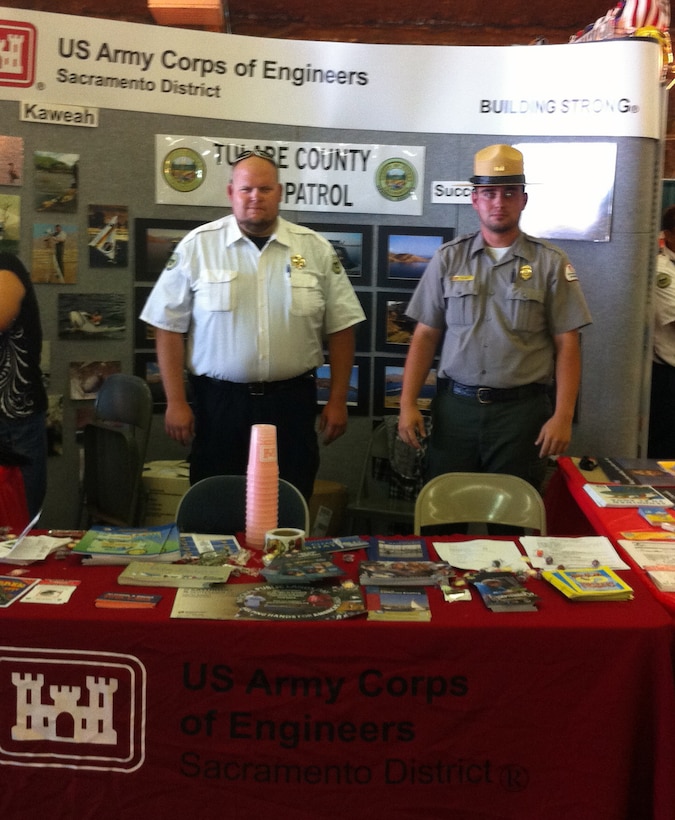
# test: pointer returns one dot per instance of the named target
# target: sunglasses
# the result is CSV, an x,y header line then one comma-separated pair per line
x,y
256,152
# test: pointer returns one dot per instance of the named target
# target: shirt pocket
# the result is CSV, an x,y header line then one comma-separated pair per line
x,y
306,295
217,290
527,310
462,299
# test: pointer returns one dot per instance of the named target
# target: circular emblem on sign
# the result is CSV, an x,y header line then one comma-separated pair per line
x,y
396,179
184,169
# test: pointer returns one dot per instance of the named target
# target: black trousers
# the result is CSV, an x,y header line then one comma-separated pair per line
x,y
224,414
661,442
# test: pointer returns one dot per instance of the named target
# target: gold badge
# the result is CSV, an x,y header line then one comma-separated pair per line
x,y
525,272
298,261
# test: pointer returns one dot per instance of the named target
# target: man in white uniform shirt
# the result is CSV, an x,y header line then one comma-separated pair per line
x,y
258,297
662,407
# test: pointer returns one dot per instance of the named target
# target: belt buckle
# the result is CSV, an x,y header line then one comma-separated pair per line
x,y
483,395
256,388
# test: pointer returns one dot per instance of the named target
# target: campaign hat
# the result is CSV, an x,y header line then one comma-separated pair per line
x,y
498,165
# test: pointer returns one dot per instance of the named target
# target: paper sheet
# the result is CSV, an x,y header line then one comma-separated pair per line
x,y
481,553
572,553
648,554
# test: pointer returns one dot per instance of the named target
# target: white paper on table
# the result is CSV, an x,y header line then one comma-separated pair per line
x,y
28,548
549,552
480,553
648,554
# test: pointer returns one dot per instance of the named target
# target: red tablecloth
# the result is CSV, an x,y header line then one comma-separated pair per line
x,y
567,712
571,511
13,508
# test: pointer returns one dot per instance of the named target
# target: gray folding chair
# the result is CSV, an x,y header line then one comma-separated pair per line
x,y
218,505
115,445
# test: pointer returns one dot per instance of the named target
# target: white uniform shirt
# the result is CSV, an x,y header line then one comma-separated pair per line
x,y
664,308
253,315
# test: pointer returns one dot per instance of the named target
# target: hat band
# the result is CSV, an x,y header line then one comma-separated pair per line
x,y
516,179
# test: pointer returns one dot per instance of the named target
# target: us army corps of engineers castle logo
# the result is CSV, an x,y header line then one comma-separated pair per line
x,y
17,53
71,708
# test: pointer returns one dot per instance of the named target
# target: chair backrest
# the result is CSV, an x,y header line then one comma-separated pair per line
x,y
480,498
371,487
115,445
218,505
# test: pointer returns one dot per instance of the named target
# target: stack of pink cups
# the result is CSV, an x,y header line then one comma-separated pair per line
x,y
262,485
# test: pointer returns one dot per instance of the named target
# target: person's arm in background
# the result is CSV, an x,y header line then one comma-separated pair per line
x,y
179,421
12,291
333,422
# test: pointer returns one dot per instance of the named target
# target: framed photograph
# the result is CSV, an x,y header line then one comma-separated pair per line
x,y
353,245
363,331
359,386
144,334
388,385
145,366
404,253
92,316
156,240
394,329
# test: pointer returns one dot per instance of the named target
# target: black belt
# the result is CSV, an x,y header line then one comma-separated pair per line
x,y
489,395
263,388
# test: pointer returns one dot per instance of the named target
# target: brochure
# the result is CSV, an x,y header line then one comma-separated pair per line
x,y
103,544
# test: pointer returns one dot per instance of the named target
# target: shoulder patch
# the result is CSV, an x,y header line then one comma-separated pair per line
x,y
570,273
663,280
337,266
172,261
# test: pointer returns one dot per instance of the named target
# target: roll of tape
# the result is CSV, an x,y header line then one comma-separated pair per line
x,y
284,539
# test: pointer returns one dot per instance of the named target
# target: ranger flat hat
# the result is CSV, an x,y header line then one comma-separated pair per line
x,y
498,165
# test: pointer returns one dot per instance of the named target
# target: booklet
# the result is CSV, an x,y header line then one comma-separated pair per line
x,y
159,574
50,591
403,549
591,584
626,495
127,600
12,588
502,591
300,568
404,573
104,544
397,604
270,603
205,548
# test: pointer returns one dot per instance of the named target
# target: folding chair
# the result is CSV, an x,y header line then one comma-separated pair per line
x,y
490,498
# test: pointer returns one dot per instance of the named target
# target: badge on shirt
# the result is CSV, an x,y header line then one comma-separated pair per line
x,y
337,267
298,261
570,273
663,280
173,261
525,272
462,277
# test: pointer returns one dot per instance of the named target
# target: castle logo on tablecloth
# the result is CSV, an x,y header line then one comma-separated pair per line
x,y
39,719
71,708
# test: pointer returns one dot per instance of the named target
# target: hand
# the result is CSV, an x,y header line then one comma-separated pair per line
x,y
411,427
333,421
179,422
554,437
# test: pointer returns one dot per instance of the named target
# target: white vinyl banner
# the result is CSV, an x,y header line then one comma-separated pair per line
x,y
589,89
316,176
